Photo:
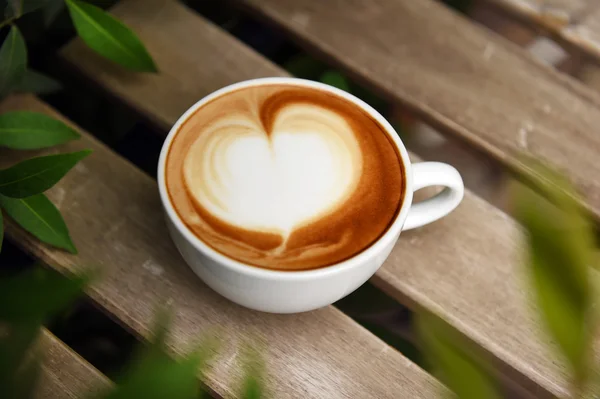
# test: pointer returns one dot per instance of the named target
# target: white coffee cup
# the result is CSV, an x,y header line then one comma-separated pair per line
x,y
299,291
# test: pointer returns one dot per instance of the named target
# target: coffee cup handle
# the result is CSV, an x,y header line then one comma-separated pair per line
x,y
427,174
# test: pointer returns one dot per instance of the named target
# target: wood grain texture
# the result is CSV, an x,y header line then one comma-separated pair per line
x,y
114,215
550,14
575,23
465,268
458,76
183,73
585,34
65,374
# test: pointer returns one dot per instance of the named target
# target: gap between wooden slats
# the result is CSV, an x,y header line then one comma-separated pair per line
x,y
64,373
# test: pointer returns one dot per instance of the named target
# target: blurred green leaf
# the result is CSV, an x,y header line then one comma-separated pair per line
x,y
37,83
252,385
155,375
51,10
37,175
305,67
109,37
25,130
26,301
28,374
456,366
13,61
162,322
335,79
14,345
17,8
39,216
560,248
38,294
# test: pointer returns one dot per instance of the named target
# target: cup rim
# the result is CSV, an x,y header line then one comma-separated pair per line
x,y
353,262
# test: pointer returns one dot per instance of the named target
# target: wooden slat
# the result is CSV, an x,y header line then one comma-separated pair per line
x,y
464,268
590,75
585,34
550,14
65,374
458,76
115,218
572,22
539,46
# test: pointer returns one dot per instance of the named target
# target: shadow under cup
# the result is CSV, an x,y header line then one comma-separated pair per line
x,y
287,291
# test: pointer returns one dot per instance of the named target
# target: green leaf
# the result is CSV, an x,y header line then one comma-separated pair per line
x,y
109,37
561,248
163,321
37,175
29,373
158,377
33,130
335,79
155,375
17,8
25,130
454,364
13,351
37,83
26,301
38,294
40,217
252,384
51,10
13,61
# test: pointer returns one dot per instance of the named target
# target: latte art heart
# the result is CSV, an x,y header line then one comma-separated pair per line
x,y
276,181
284,177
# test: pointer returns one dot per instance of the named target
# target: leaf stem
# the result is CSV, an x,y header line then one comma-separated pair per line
x,y
8,21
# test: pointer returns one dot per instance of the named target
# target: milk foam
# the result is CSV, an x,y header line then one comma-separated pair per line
x,y
284,177
278,181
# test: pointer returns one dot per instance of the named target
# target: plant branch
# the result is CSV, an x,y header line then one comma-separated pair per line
x,y
8,21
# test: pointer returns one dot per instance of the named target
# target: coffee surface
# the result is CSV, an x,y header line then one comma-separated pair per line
x,y
284,177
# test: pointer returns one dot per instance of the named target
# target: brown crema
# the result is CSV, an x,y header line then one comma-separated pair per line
x,y
350,225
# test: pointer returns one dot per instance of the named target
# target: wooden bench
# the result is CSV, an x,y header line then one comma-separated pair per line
x,y
307,354
466,268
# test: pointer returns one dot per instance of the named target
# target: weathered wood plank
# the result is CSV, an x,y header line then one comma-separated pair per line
x,y
464,268
65,374
115,218
553,15
575,23
585,34
221,59
458,76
